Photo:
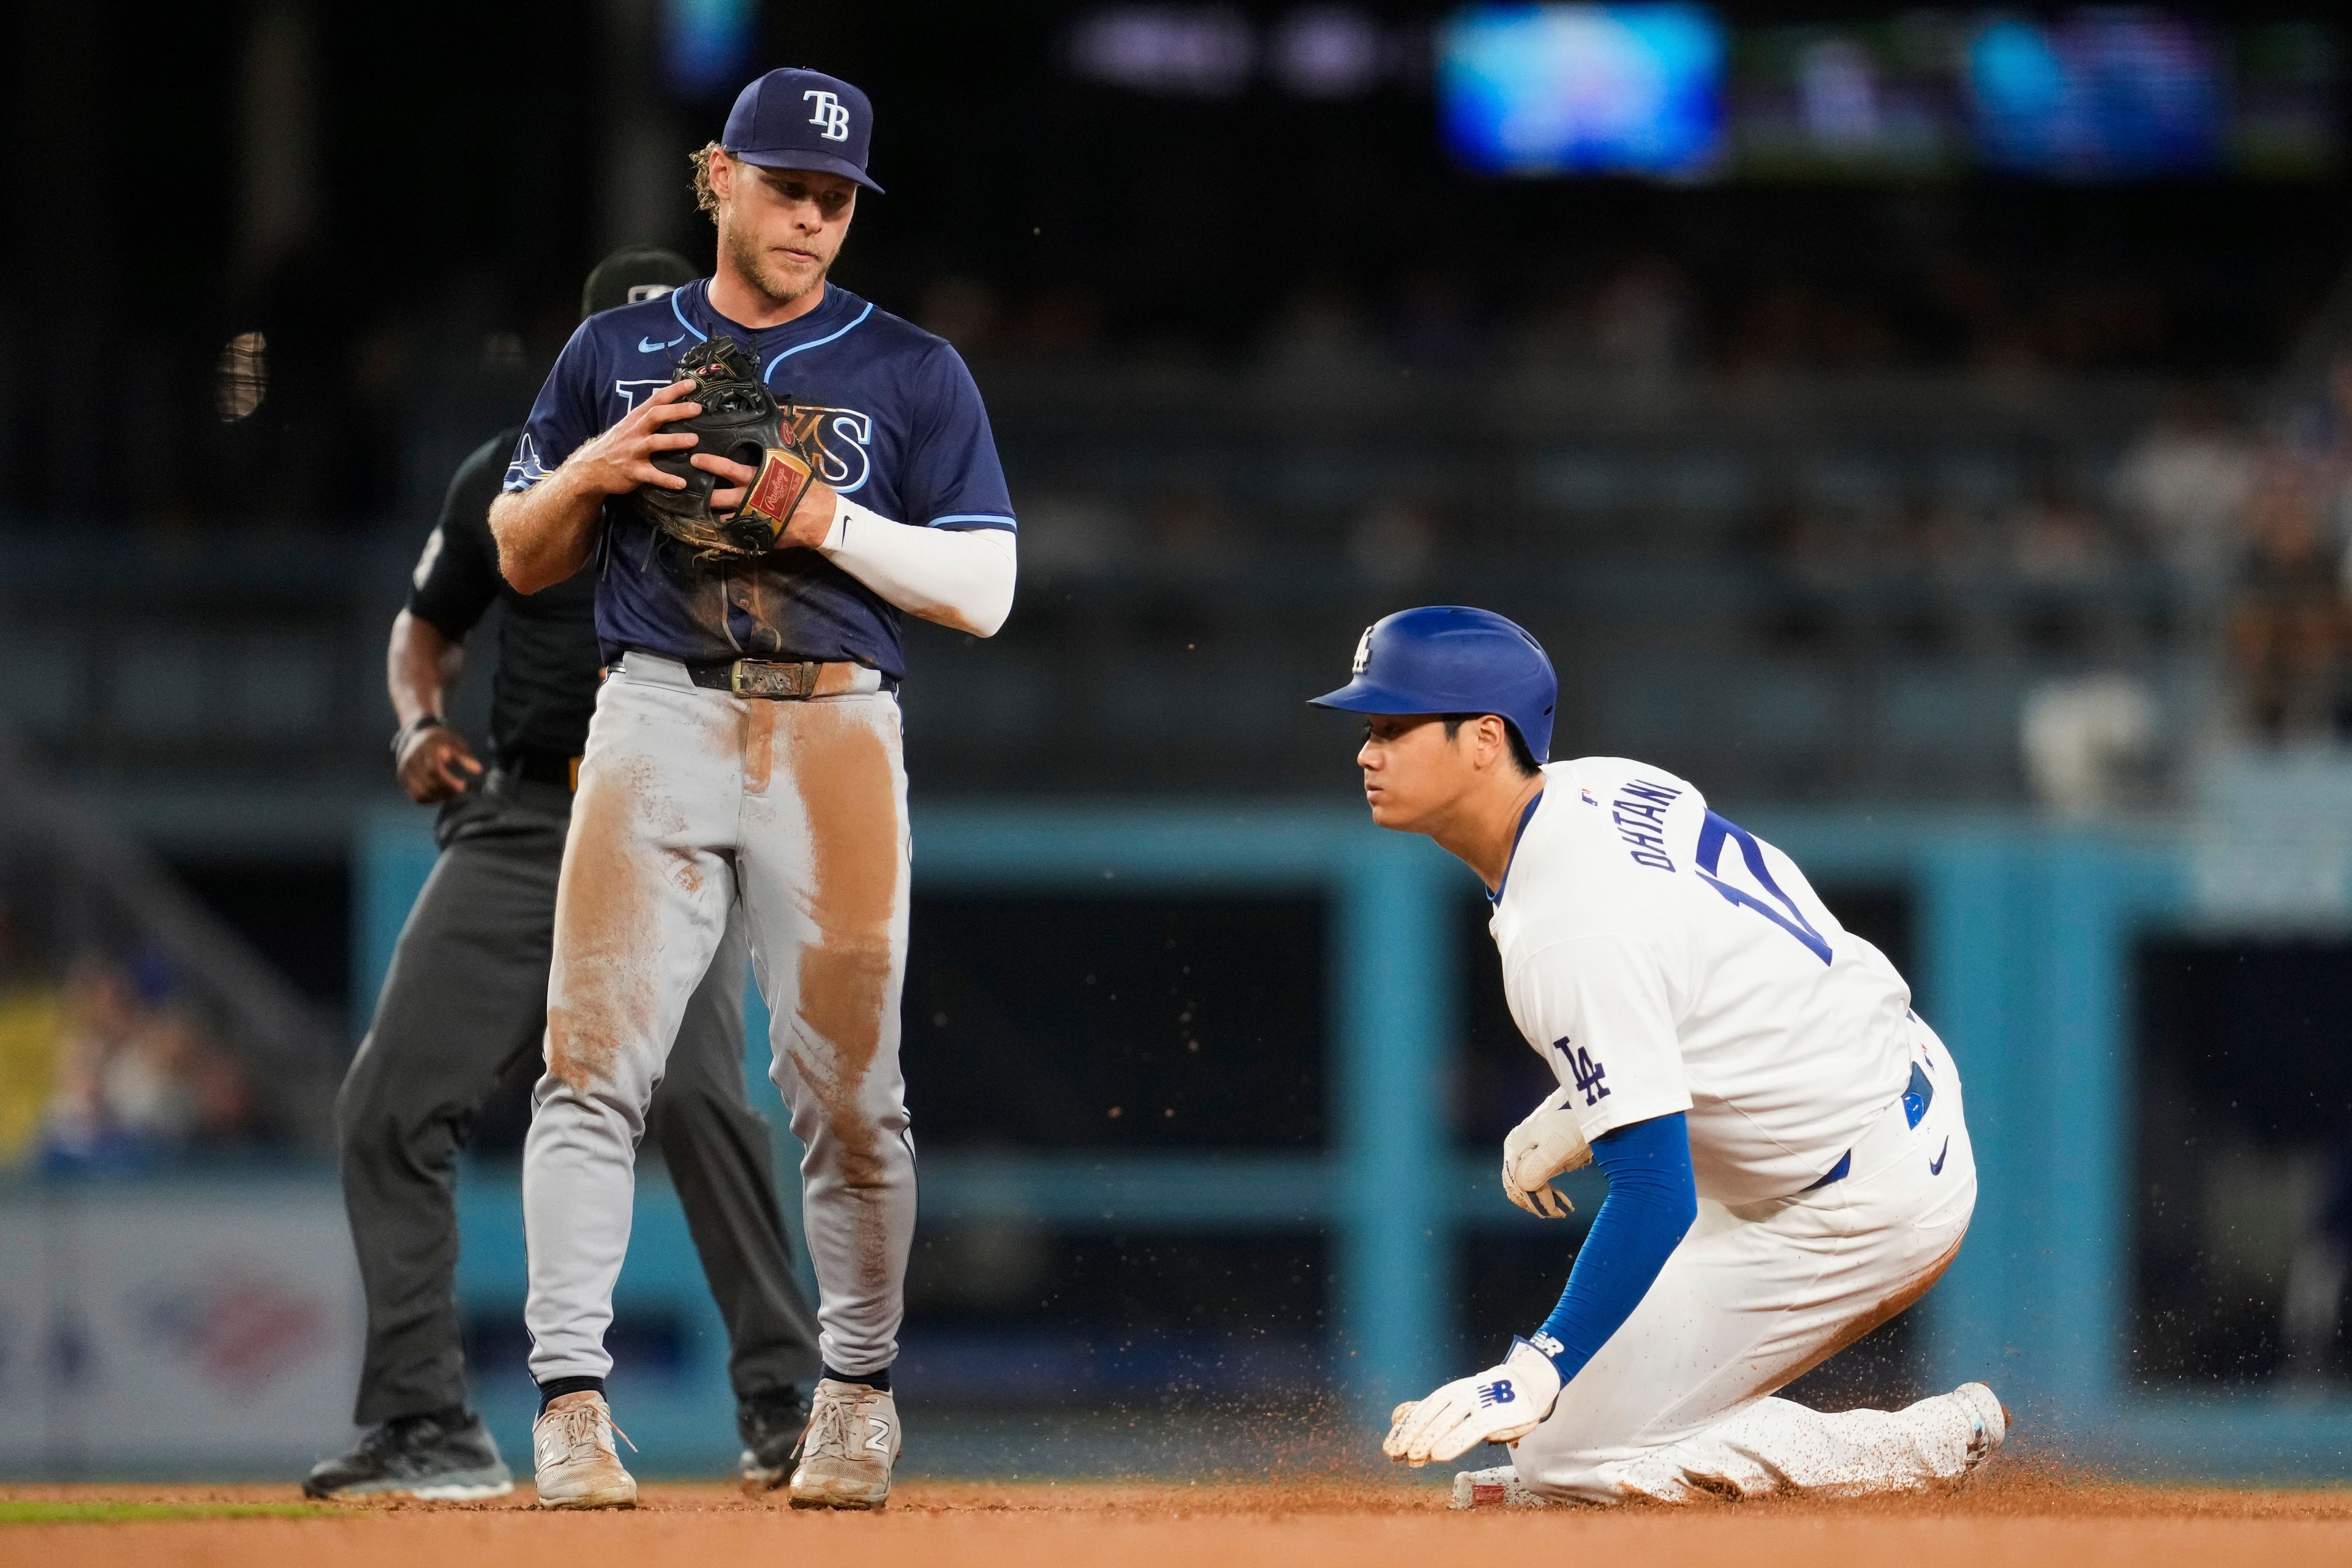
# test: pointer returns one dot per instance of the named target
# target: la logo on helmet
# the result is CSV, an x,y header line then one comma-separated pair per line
x,y
1363,652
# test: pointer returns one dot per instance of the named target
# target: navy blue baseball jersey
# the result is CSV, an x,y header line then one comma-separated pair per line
x,y
889,410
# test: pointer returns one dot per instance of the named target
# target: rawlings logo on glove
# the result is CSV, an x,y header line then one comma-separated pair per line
x,y
1501,1404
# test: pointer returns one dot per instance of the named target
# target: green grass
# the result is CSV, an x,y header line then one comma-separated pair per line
x,y
129,1512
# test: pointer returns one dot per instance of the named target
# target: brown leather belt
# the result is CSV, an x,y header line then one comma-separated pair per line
x,y
781,680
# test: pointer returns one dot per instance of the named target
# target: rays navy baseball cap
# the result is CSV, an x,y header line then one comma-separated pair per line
x,y
795,119
1450,658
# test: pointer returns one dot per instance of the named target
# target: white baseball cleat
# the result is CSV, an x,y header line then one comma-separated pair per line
x,y
572,1443
1990,1419
1498,1488
852,1442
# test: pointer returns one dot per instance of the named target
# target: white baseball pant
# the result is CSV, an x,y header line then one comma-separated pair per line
x,y
691,799
1675,1406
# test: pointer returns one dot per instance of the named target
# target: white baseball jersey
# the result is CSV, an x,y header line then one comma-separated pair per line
x,y
1663,959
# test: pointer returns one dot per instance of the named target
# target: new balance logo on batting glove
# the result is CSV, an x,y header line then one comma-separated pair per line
x,y
1501,1404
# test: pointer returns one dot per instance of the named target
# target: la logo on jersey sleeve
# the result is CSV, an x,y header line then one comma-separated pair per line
x,y
1585,1073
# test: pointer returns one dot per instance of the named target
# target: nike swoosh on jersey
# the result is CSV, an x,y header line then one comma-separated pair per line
x,y
1936,1167
651,346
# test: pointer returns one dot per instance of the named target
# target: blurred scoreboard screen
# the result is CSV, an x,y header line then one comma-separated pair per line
x,y
1562,89
2095,93
1855,99
2098,95
1676,92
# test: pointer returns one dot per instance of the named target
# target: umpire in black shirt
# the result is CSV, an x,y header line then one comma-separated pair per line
x,y
465,1000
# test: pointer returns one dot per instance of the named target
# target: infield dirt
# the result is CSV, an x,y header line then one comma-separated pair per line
x,y
2018,1522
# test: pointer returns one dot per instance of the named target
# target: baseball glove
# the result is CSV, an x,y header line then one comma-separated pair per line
x,y
740,419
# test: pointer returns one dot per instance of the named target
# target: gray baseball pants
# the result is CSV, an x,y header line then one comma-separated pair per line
x,y
464,1001
692,801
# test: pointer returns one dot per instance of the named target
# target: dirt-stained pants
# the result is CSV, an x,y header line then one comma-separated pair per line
x,y
690,799
1673,1407
464,999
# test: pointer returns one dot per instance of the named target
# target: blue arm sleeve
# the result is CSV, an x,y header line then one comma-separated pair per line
x,y
1649,1207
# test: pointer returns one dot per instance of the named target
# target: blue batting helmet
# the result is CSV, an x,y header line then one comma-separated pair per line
x,y
1449,659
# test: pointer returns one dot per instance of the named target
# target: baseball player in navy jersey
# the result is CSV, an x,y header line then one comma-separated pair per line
x,y
464,999
746,749
1788,1161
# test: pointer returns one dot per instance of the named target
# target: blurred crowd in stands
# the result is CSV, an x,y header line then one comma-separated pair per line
x,y
2226,524
107,1063
1641,315
378,408
2255,524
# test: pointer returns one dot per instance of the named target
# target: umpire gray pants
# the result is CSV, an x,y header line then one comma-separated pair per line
x,y
465,1001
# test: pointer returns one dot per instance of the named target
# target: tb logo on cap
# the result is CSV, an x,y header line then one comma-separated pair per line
x,y
831,113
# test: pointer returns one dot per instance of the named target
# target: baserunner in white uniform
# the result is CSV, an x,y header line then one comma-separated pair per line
x,y
1788,1161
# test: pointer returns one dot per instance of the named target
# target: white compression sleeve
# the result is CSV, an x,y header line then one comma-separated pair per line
x,y
959,578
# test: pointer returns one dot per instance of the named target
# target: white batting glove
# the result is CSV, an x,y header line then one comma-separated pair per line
x,y
1500,1405
1546,1145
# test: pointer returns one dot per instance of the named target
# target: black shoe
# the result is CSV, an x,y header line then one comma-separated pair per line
x,y
772,1426
448,1458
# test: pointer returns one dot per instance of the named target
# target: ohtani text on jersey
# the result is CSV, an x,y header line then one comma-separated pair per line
x,y
1640,813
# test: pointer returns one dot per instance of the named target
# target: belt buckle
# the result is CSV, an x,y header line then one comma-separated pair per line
x,y
761,677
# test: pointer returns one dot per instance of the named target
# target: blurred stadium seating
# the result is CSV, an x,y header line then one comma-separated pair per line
x,y
1895,562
